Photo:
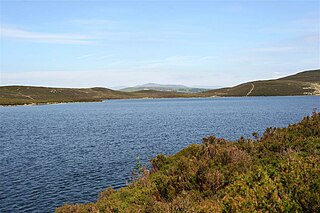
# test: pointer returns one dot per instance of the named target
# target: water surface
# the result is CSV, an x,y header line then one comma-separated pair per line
x,y
53,154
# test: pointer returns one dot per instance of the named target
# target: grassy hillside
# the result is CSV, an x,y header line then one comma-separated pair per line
x,y
16,95
303,83
12,95
306,76
277,172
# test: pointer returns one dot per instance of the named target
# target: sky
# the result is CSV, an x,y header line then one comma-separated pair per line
x,y
203,43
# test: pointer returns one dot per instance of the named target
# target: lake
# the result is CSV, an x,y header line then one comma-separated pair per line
x,y
68,153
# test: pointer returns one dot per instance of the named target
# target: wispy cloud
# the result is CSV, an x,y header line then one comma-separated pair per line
x,y
276,49
312,38
308,21
146,36
96,36
105,56
299,26
92,21
95,56
182,60
85,56
45,37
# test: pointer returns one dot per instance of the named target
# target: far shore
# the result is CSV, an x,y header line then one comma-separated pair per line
x,y
145,98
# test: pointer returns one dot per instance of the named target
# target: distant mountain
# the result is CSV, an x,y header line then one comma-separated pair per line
x,y
303,83
163,87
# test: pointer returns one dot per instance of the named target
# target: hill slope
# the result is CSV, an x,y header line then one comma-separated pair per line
x,y
303,83
277,172
19,95
312,76
14,95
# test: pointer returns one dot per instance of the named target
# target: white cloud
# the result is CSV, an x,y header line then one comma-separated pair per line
x,y
45,37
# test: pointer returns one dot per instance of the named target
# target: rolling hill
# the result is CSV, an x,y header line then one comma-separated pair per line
x,y
20,95
15,95
162,87
303,83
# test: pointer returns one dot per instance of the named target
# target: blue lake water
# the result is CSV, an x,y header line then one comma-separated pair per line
x,y
67,153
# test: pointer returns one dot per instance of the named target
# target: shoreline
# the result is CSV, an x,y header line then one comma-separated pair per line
x,y
49,103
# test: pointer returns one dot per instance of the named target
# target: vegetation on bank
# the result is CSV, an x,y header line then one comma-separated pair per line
x,y
303,83
276,172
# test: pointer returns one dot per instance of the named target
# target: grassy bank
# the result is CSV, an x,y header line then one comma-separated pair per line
x,y
276,172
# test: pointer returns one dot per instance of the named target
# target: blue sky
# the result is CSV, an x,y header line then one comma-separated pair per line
x,y
80,43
